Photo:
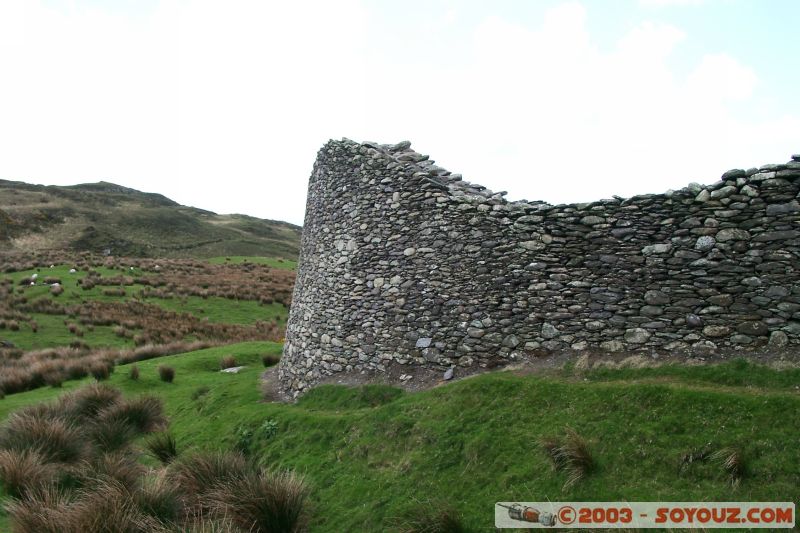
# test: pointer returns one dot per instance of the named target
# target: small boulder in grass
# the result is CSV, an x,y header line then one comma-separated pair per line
x,y
232,369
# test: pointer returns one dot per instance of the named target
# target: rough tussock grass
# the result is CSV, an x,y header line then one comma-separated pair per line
x,y
569,453
432,517
171,306
262,501
67,481
163,447
368,461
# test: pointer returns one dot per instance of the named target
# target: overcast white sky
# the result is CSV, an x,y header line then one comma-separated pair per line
x,y
223,105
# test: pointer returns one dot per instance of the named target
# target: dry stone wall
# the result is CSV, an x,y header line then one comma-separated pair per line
x,y
403,262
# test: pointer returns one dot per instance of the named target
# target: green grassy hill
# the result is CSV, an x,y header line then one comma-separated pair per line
x,y
374,455
52,329
107,218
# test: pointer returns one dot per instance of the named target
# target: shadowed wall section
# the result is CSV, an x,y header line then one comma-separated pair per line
x,y
403,262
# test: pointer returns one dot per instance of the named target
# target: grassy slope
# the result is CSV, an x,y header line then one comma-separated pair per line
x,y
98,216
52,331
224,310
371,453
273,262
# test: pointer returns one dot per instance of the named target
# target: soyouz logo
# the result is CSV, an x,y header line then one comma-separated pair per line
x,y
613,515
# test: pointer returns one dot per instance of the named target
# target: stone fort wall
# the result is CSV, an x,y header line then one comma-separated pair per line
x,y
403,262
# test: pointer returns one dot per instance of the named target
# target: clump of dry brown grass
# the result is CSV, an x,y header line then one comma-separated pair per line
x,y
118,292
431,517
200,473
732,463
145,414
163,447
87,403
22,470
263,501
25,371
55,439
63,480
43,509
161,499
54,379
228,361
166,373
120,466
101,370
111,435
569,453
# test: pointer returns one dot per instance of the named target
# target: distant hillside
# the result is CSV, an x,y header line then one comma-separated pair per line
x,y
107,218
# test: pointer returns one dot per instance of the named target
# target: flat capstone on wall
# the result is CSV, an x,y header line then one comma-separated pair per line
x,y
403,262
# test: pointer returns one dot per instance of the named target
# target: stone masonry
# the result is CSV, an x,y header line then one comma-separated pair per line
x,y
403,262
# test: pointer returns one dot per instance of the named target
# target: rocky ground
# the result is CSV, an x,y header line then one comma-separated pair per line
x,y
412,378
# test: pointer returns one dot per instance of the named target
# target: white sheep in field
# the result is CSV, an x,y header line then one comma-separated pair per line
x,y
72,270
33,283
34,276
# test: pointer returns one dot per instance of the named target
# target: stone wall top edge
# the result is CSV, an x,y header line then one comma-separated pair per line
x,y
425,169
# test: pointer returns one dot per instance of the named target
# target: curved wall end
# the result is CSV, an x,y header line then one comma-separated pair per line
x,y
405,263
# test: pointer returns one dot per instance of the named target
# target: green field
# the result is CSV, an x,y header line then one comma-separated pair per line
x,y
274,262
374,454
53,330
224,310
